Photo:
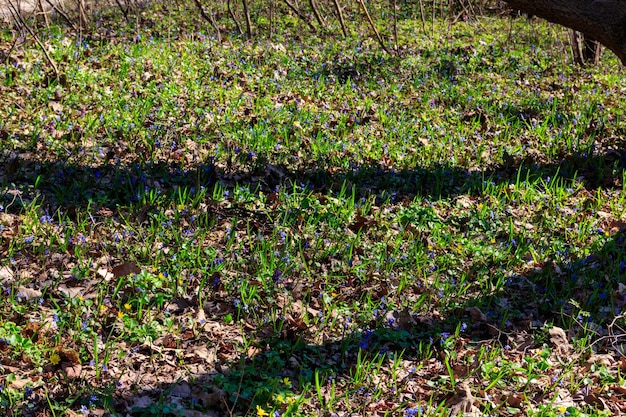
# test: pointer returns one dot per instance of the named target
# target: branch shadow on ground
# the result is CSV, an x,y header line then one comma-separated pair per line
x,y
66,186
526,301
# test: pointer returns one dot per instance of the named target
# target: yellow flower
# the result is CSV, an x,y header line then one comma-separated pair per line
x,y
55,359
480,206
281,399
260,412
287,381
80,297
127,306
180,207
120,315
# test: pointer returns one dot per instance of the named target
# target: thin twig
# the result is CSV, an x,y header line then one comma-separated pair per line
x,y
208,18
8,54
246,12
62,14
270,13
300,15
395,24
317,14
341,21
232,16
18,16
124,10
423,16
373,26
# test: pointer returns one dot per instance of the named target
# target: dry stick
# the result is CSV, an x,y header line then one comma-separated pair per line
x,y
43,13
300,15
232,16
82,16
8,54
423,16
371,22
472,11
317,14
246,12
433,12
341,21
18,16
270,12
209,19
124,10
395,25
62,14
216,27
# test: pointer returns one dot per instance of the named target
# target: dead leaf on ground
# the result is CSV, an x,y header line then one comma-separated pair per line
x,y
476,315
559,339
105,274
19,383
140,402
6,275
600,359
196,413
72,371
209,399
181,390
127,268
28,293
463,402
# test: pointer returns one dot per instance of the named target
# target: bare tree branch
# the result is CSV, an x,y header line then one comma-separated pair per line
x,y
208,18
300,15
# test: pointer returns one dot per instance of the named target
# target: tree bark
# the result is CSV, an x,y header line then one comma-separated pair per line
x,y
603,20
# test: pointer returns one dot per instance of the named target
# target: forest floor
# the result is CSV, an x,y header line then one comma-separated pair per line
x,y
307,225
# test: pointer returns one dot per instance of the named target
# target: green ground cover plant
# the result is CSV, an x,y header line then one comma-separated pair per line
x,y
307,225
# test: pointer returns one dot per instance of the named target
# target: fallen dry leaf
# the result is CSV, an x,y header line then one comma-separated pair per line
x,y
28,293
19,383
476,315
463,402
559,339
72,371
6,275
127,268
140,402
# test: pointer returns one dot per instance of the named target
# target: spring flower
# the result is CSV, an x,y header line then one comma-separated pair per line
x,y
55,359
260,412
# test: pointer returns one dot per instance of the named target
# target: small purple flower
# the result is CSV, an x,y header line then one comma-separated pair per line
x,y
413,411
277,276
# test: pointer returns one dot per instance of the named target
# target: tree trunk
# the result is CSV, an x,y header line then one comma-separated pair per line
x,y
602,20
